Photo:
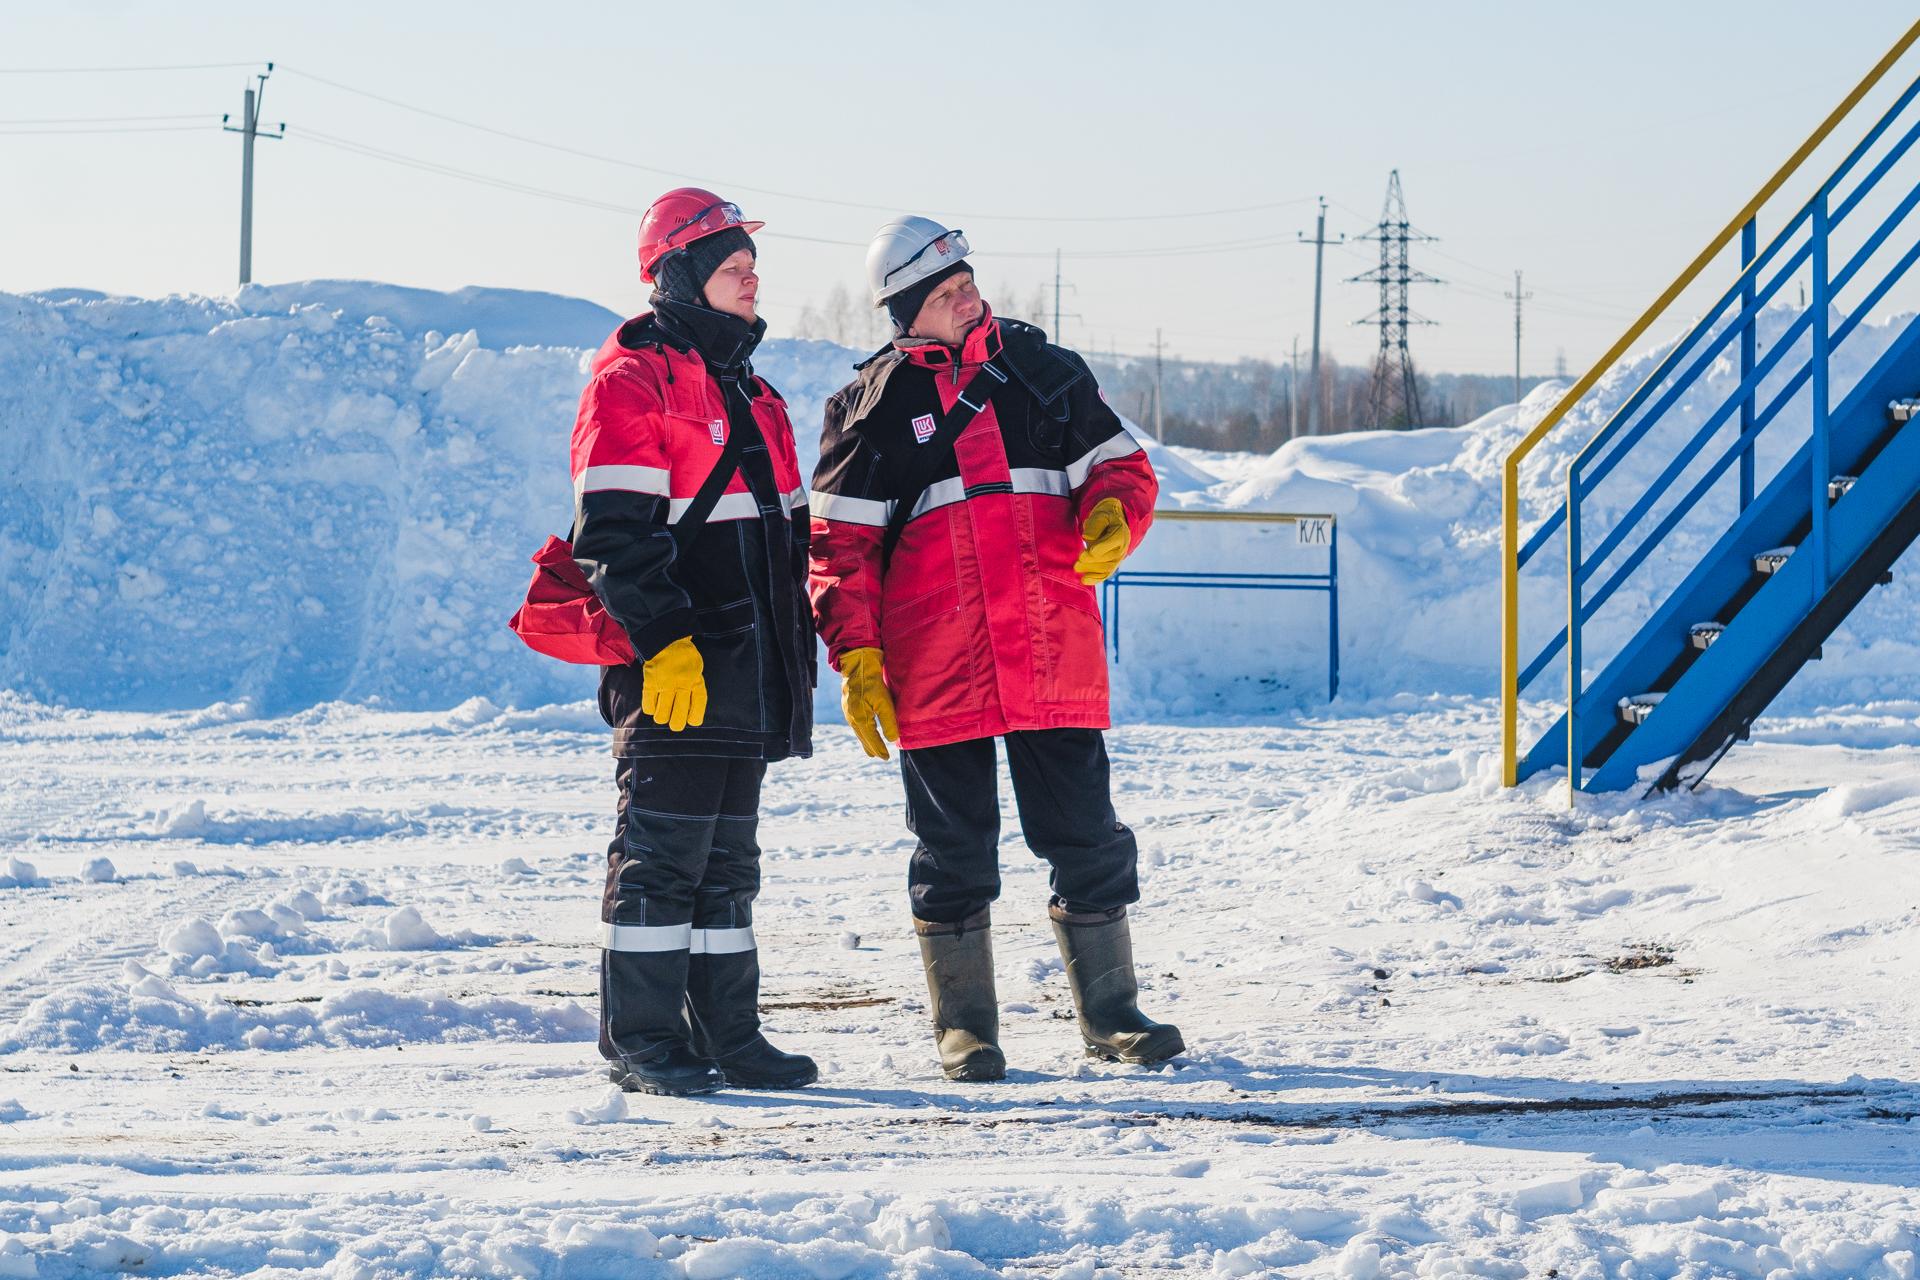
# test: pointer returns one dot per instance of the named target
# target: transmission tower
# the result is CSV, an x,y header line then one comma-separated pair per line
x,y
1395,396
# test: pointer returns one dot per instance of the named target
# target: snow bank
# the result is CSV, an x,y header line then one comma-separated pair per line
x,y
301,493
329,490
149,1014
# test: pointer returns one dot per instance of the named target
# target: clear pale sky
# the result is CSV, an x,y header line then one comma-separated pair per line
x,y
1597,147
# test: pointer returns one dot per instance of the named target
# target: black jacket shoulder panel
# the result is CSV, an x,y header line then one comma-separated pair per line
x,y
887,350
862,394
1044,369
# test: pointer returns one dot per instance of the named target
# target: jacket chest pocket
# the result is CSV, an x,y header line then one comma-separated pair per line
x,y
1047,425
696,438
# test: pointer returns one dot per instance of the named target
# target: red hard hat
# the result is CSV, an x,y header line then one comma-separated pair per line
x,y
680,217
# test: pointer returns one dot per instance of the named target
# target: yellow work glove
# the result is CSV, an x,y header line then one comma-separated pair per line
x,y
672,689
1107,535
864,696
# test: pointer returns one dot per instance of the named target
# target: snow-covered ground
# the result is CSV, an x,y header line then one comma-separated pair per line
x,y
312,996
300,857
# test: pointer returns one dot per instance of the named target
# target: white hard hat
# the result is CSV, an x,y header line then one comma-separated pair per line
x,y
907,251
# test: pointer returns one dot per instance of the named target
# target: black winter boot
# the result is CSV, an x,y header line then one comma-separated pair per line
x,y
1098,950
643,1024
672,1069
723,998
958,959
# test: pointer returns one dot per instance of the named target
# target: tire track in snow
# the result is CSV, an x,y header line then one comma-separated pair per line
x,y
93,933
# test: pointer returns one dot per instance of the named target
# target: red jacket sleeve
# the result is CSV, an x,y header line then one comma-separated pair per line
x,y
1105,461
621,535
849,521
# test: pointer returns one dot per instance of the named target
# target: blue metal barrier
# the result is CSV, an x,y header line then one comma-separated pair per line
x,y
1328,582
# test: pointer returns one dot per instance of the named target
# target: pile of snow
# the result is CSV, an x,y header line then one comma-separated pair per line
x,y
18,873
301,493
147,1013
329,490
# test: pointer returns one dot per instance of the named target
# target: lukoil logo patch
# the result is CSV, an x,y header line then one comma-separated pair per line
x,y
923,428
718,430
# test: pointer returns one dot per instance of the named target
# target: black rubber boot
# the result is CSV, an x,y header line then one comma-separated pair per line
x,y
723,1006
673,1069
643,1025
1098,950
958,959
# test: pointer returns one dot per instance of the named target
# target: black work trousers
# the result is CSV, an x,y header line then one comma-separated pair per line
x,y
1060,783
677,915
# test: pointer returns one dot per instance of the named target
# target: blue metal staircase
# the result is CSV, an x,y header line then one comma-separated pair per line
x,y
1786,564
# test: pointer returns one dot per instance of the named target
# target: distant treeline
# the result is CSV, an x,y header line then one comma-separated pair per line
x,y
1248,405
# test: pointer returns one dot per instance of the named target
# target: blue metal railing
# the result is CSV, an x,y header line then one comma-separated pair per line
x,y
1328,582
1812,227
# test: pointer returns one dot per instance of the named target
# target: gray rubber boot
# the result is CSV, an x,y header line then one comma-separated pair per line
x,y
1098,950
958,959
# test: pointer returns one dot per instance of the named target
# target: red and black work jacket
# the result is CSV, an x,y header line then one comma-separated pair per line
x,y
983,626
652,421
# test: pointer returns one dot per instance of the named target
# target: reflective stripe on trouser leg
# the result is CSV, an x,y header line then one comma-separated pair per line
x,y
649,937
722,942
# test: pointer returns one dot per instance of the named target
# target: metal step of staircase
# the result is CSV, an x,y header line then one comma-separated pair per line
x,y
1703,634
1636,709
1771,562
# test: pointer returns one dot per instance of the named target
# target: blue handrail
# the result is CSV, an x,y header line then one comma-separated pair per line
x,y
1732,318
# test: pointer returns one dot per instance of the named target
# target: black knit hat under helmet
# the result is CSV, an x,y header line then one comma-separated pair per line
x,y
905,305
684,273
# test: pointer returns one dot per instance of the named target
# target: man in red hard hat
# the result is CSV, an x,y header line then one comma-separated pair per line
x,y
973,487
691,526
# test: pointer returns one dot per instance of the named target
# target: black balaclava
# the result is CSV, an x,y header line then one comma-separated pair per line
x,y
905,305
683,274
680,307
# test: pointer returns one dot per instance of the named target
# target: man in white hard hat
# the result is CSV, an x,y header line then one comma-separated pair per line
x,y
973,488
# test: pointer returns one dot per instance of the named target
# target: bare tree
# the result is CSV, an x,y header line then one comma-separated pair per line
x,y
1040,309
842,321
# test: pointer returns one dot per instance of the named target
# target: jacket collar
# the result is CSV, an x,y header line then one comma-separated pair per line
x,y
980,346
725,342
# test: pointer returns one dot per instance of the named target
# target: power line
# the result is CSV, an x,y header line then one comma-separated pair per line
x,y
90,71
507,184
602,158
197,115
167,128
